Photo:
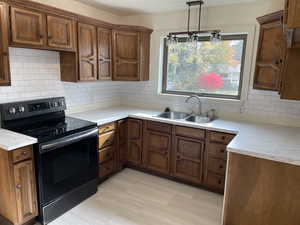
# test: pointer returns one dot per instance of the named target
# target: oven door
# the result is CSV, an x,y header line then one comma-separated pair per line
x,y
66,164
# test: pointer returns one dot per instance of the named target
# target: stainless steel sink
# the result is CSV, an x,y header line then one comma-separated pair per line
x,y
174,115
198,119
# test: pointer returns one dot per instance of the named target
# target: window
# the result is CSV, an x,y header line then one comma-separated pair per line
x,y
210,69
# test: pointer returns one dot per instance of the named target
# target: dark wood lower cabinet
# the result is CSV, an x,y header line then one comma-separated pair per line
x,y
188,159
157,151
135,139
189,155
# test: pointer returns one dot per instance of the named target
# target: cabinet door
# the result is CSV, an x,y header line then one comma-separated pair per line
x,y
126,56
4,59
25,191
188,159
292,17
157,151
290,80
27,27
87,46
135,135
270,53
122,143
105,54
61,32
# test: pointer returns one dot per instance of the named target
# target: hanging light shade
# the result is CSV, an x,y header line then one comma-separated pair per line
x,y
194,36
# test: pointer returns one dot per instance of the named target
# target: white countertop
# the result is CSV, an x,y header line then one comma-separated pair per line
x,y
266,141
10,140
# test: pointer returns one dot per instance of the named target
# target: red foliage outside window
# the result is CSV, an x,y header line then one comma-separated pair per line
x,y
210,81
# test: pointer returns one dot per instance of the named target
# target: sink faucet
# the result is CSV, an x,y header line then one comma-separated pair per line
x,y
199,102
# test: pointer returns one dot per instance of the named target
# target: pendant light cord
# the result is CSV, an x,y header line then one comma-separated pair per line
x,y
200,12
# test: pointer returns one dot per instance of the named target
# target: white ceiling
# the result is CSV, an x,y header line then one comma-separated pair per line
x,y
131,7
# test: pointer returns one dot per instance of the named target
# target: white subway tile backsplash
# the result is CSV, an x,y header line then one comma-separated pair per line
x,y
36,74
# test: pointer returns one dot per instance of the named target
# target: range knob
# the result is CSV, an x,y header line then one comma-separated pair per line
x,y
21,109
55,104
12,110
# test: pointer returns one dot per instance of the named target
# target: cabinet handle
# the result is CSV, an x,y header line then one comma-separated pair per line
x,y
19,187
5,53
178,157
50,37
219,181
41,36
223,138
221,167
24,153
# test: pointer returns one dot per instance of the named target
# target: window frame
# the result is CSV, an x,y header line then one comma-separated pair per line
x,y
225,37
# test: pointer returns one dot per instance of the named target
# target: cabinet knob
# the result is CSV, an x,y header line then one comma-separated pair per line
x,y
41,36
19,187
24,153
50,37
219,181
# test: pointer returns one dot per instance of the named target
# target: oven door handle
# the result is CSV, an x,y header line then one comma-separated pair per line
x,y
52,145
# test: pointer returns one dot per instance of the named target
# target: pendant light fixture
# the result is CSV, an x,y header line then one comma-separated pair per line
x,y
194,36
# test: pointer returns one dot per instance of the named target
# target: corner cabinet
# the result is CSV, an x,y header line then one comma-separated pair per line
x,y
131,55
135,140
4,57
18,186
270,54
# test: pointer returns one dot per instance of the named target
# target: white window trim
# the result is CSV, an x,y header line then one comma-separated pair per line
x,y
158,46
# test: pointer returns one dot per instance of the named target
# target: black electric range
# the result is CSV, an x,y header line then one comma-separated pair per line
x,y
66,155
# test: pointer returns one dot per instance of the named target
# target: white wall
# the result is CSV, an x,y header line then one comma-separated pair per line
x,y
257,105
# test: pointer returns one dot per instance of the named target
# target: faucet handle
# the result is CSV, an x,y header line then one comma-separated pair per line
x,y
212,114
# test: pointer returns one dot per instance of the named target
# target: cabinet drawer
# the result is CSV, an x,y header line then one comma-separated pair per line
x,y
22,154
106,139
106,128
160,127
217,166
217,150
220,137
106,154
215,181
190,132
106,168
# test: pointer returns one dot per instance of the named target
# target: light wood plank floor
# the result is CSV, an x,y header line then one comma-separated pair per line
x,y
135,198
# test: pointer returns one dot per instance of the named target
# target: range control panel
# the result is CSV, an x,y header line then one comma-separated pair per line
x,y
19,110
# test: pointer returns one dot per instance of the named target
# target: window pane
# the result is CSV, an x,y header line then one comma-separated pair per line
x,y
209,69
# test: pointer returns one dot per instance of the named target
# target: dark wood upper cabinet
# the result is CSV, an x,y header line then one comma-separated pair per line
x,y
27,27
104,54
61,32
271,50
188,159
135,139
291,14
290,79
131,55
4,58
126,55
87,47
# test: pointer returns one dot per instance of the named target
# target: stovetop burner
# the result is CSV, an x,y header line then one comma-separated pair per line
x,y
43,119
54,129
